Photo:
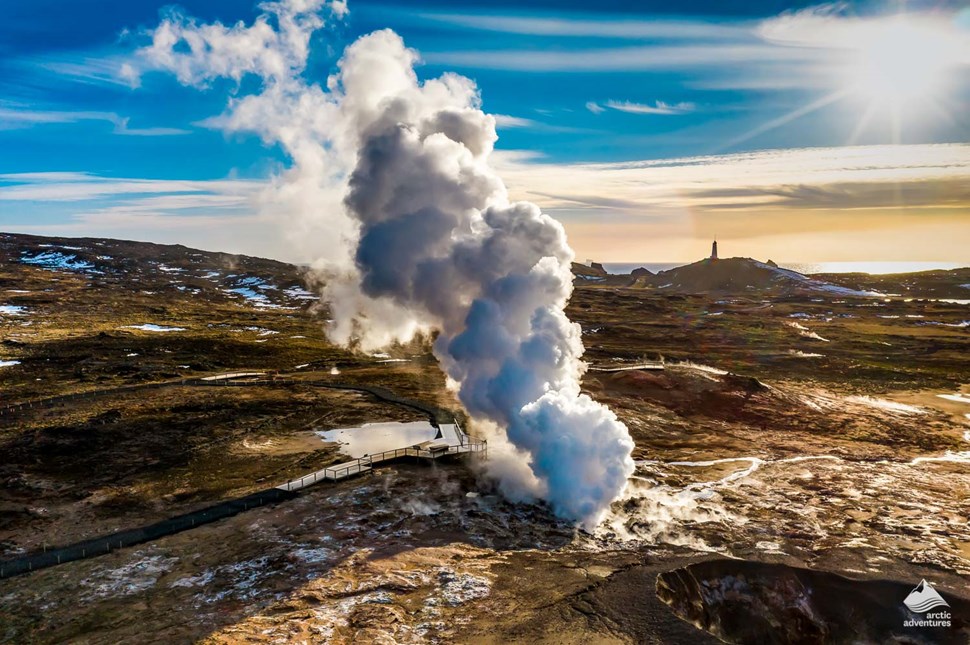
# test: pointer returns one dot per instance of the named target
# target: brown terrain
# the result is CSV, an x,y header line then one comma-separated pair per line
x,y
797,469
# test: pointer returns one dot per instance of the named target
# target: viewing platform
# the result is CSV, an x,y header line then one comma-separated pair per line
x,y
451,441
645,365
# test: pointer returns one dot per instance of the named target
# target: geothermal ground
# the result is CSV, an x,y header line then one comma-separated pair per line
x,y
803,461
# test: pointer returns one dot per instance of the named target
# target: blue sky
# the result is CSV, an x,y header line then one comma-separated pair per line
x,y
730,107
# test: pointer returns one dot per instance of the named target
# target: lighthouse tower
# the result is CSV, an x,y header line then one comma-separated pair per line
x,y
714,250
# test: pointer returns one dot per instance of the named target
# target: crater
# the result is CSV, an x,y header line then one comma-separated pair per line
x,y
742,601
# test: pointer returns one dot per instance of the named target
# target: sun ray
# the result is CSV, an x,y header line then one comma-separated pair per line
x,y
863,122
818,104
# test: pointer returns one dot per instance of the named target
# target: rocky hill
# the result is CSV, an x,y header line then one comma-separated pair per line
x,y
744,276
154,269
951,284
729,276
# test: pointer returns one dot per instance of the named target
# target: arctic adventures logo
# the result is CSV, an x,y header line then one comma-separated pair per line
x,y
923,600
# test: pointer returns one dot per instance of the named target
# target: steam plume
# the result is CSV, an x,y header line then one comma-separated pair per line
x,y
428,239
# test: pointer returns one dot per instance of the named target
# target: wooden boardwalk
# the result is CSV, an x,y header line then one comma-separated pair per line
x,y
646,365
450,442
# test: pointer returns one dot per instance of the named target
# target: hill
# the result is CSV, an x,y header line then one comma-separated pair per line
x,y
745,275
155,269
729,276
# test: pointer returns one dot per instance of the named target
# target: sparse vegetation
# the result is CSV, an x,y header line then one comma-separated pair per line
x,y
747,390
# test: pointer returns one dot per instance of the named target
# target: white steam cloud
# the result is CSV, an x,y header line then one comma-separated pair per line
x,y
416,234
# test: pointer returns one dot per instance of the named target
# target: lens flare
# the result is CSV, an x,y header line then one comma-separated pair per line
x,y
903,61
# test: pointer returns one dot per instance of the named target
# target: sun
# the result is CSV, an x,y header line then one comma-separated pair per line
x,y
901,61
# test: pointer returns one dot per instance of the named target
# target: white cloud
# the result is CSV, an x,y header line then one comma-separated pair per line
x,y
219,215
80,187
686,55
15,117
508,121
23,117
539,25
595,107
829,26
848,177
659,107
97,68
822,204
122,127
809,26
198,54
787,199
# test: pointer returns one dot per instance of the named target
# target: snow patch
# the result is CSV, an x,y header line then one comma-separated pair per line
x,y
313,555
153,327
254,297
459,588
54,260
813,336
128,579
253,281
701,368
816,284
960,325
200,580
299,293
884,404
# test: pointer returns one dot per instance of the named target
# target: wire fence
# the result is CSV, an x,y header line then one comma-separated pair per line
x,y
52,556
469,446
48,557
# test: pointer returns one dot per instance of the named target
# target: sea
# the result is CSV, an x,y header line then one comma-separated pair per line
x,y
874,268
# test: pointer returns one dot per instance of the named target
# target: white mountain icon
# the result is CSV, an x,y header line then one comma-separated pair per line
x,y
924,598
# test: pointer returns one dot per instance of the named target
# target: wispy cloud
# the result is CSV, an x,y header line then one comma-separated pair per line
x,y
828,203
830,26
646,57
901,178
96,67
816,203
658,107
17,117
122,127
81,187
222,215
588,25
14,117
509,121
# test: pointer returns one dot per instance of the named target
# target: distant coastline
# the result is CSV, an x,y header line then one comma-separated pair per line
x,y
874,268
